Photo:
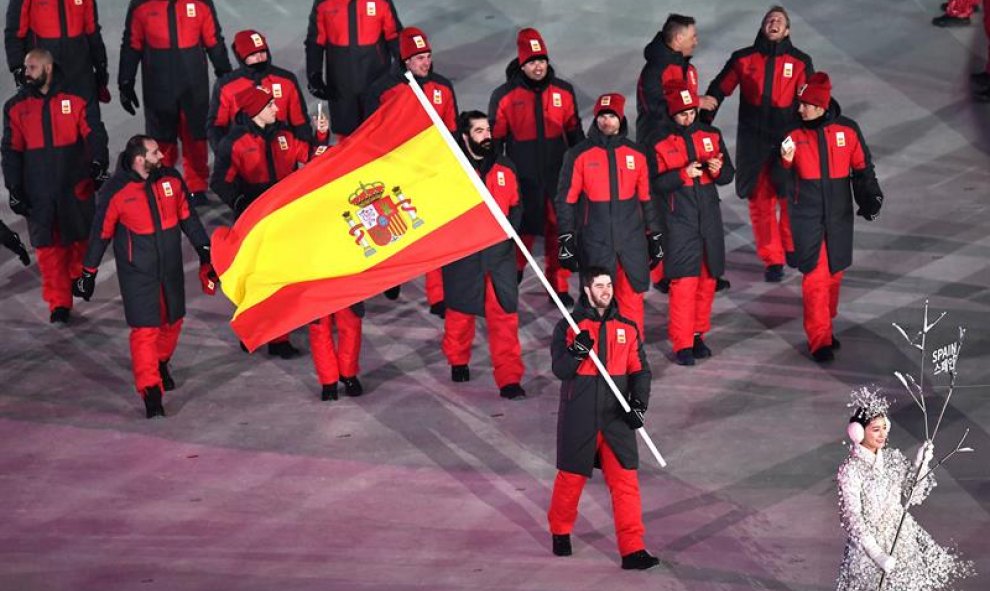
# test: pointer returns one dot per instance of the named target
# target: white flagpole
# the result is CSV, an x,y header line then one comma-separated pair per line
x,y
511,233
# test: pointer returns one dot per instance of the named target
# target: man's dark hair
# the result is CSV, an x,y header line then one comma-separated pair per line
x,y
136,146
465,118
674,25
781,10
588,275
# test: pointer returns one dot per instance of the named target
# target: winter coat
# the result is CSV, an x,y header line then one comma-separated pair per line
x,y
143,217
464,279
663,65
439,91
535,122
587,405
359,39
69,29
872,490
832,166
768,76
604,197
284,90
690,207
49,144
171,40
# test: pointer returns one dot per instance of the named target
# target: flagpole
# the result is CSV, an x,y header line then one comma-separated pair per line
x,y
511,233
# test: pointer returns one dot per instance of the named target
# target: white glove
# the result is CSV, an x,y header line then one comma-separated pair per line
x,y
887,563
924,456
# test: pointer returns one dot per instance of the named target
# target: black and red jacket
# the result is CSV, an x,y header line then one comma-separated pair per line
x,y
604,198
144,218
768,76
171,40
535,122
587,405
464,280
252,159
438,89
663,65
358,39
69,29
832,166
689,207
280,84
49,143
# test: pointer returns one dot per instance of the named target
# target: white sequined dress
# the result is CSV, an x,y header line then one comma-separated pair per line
x,y
872,488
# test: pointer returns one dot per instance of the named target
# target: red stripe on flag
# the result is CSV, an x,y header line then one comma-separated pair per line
x,y
300,303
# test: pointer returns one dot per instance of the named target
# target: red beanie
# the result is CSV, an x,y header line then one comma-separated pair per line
x,y
817,91
248,42
412,41
679,96
530,45
252,100
611,102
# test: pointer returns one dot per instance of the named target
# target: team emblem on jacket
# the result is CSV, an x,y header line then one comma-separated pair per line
x,y
167,188
191,10
788,70
283,144
370,9
380,215
630,162
66,107
557,101
320,150
277,90
437,97
840,139
707,143
620,336
500,178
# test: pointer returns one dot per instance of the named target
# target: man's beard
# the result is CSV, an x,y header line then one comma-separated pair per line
x,y
39,81
258,66
482,148
154,170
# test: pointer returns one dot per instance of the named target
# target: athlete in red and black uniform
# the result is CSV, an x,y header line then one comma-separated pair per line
x,y
54,146
768,74
252,52
357,39
70,30
417,58
691,161
144,209
171,40
824,166
592,429
604,210
484,283
534,117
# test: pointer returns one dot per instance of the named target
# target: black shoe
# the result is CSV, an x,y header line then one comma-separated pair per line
x,y
352,386
512,391
684,357
168,384
983,96
836,345
980,78
329,392
59,316
700,350
565,298
519,276
774,274
562,545
283,349
153,403
439,309
392,293
198,199
823,354
460,373
946,21
722,284
663,286
640,560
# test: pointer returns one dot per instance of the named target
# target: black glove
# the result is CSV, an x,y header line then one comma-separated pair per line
x,y
98,172
634,418
567,252
19,78
318,88
128,98
12,241
84,286
581,345
870,211
18,202
102,82
656,250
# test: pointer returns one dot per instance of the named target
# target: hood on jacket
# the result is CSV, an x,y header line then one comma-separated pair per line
x,y
658,51
513,71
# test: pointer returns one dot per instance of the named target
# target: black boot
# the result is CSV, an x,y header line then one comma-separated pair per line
x,y
663,286
722,284
439,309
198,199
153,403
700,350
59,316
640,560
945,21
981,79
392,293
512,391
982,96
823,354
283,349
562,545
684,357
329,392
774,274
352,386
460,373
836,345
168,384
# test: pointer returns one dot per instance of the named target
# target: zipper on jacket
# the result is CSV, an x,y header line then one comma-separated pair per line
x,y
541,139
766,101
156,224
826,175
130,246
272,177
613,189
62,21
352,23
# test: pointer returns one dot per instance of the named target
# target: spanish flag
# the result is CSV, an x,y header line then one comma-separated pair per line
x,y
394,200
